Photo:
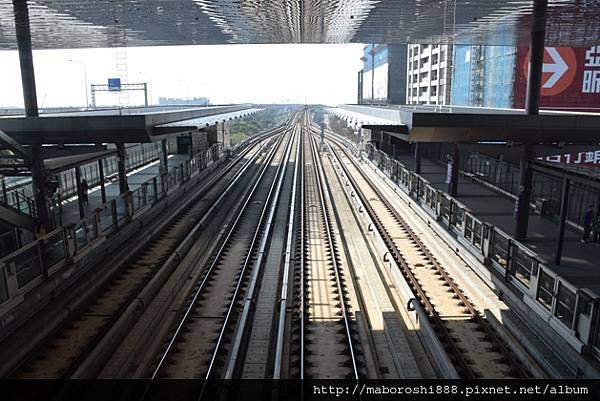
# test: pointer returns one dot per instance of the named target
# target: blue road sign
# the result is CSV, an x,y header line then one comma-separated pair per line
x,y
114,84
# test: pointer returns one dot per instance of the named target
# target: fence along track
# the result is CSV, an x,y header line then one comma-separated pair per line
x,y
472,344
68,346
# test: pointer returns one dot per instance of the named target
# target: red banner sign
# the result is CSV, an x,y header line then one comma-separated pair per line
x,y
570,78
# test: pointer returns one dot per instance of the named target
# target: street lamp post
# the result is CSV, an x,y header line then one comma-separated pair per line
x,y
87,101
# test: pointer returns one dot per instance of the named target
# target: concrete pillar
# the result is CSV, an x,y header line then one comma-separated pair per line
x,y
164,157
524,194
121,157
418,158
564,208
532,107
102,187
79,192
191,146
536,57
454,164
23,34
4,194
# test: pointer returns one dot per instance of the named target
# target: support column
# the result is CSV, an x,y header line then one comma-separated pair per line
x,y
536,57
23,34
564,208
417,158
524,195
164,157
4,194
191,147
532,107
121,156
79,192
146,94
453,173
102,187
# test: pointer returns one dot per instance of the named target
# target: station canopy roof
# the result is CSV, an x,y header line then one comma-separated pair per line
x,y
58,24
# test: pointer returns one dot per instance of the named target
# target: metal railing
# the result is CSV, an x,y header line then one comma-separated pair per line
x,y
33,263
20,195
19,201
517,263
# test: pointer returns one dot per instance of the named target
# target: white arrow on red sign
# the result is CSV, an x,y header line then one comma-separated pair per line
x,y
558,68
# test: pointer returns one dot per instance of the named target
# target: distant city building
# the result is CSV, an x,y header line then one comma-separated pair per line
x,y
483,76
196,101
383,77
428,74
496,76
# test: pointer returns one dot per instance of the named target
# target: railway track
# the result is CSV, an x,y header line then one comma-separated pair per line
x,y
202,337
328,342
471,343
60,354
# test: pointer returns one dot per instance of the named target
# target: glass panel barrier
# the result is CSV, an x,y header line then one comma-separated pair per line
x,y
54,249
8,243
144,193
565,305
81,237
422,186
152,190
137,200
500,248
458,216
469,227
3,286
106,217
545,289
430,196
445,207
92,226
477,234
121,208
27,264
405,177
522,266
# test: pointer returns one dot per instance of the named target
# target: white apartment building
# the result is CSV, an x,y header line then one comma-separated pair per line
x,y
428,74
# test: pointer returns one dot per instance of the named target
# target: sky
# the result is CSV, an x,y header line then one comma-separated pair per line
x,y
300,73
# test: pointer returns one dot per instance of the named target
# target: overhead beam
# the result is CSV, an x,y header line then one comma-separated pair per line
x,y
16,147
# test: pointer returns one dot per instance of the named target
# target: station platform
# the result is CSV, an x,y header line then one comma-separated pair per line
x,y
579,264
135,178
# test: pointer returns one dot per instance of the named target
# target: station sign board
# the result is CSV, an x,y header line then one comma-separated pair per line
x,y
570,78
114,84
590,157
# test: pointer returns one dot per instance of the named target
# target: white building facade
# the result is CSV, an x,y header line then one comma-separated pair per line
x,y
428,78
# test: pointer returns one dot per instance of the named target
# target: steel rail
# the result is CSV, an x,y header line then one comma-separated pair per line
x,y
272,205
215,261
302,254
324,192
287,262
415,284
255,237
406,271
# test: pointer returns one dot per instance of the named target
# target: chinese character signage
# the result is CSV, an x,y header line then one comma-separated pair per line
x,y
590,157
591,72
570,80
